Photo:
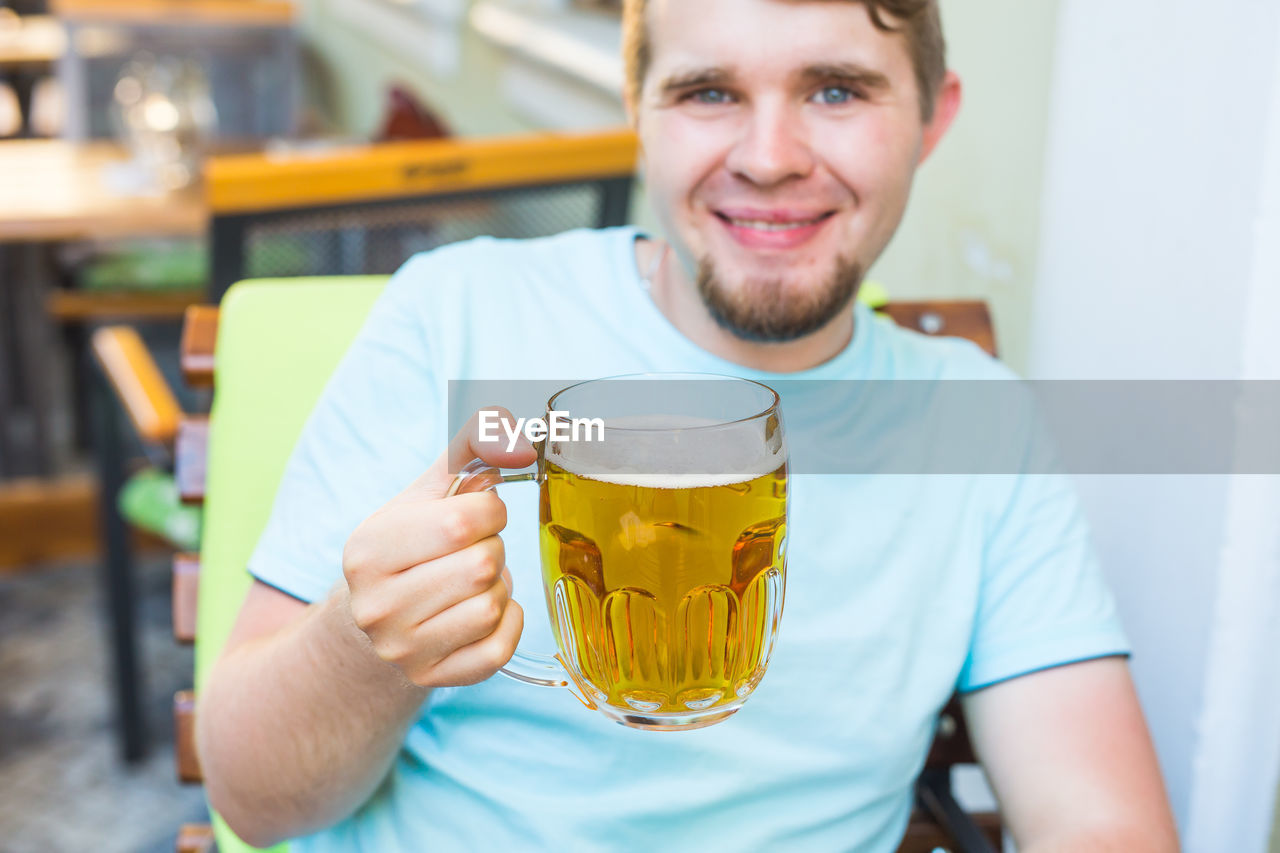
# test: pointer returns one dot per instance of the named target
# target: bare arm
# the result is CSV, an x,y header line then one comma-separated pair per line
x,y
304,711
1069,756
299,718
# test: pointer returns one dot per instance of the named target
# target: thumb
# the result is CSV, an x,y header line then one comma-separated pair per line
x,y
485,436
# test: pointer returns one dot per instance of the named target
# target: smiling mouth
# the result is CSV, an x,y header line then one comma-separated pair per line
x,y
774,225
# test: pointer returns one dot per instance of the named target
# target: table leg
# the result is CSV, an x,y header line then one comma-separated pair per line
x,y
36,356
8,336
117,576
24,84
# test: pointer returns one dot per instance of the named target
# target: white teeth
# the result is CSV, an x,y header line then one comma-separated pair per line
x,y
761,225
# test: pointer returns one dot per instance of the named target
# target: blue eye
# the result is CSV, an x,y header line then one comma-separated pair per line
x,y
836,95
710,96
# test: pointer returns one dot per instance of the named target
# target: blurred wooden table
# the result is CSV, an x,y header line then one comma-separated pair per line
x,y
55,191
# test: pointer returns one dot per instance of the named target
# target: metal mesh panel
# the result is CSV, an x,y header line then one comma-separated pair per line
x,y
377,239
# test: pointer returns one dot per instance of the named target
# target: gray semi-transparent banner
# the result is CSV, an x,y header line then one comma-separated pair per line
x,y
905,427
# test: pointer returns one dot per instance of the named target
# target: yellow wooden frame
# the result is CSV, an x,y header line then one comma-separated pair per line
x,y
138,382
160,12
250,183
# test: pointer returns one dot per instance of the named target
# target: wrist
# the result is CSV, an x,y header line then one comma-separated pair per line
x,y
358,657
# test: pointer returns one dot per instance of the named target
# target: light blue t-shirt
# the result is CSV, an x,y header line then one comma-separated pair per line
x,y
900,589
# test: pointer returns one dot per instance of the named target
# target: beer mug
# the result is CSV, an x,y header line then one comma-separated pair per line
x,y
663,545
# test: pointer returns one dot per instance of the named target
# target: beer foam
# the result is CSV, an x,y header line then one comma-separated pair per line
x,y
668,452
668,481
660,422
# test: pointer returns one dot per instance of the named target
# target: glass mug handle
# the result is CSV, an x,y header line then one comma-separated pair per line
x,y
529,667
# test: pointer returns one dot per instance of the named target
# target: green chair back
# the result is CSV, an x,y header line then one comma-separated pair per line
x,y
278,342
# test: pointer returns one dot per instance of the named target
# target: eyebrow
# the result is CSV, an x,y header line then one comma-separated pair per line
x,y
692,78
845,72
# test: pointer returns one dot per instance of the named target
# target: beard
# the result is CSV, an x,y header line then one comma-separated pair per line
x,y
765,312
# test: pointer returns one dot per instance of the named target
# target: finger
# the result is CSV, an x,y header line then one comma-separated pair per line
x,y
401,601
480,660
464,623
405,534
455,578
467,445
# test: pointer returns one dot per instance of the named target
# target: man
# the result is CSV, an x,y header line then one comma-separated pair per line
x,y
355,703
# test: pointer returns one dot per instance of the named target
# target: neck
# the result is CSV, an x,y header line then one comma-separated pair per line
x,y
676,295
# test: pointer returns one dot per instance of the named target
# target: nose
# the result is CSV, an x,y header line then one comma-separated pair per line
x,y
772,148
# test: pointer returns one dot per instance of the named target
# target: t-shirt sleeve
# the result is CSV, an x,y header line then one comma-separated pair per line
x,y
375,428
1043,600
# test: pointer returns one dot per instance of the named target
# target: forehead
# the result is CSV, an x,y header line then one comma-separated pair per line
x,y
769,38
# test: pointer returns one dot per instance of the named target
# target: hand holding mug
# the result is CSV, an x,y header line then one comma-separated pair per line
x,y
427,573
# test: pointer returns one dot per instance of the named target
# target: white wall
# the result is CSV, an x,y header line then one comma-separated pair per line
x,y
365,45
972,228
1238,762
1156,259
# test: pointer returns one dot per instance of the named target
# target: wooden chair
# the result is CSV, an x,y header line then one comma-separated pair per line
x,y
129,381
938,821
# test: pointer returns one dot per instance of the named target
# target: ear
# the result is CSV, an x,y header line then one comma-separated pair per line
x,y
945,108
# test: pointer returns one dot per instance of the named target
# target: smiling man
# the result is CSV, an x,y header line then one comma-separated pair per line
x,y
356,704
779,167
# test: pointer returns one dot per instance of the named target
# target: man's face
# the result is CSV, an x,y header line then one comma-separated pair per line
x,y
780,138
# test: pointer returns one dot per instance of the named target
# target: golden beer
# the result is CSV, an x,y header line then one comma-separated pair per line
x,y
665,590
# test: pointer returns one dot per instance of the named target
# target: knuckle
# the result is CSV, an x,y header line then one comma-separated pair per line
x,y
499,551
456,528
364,613
497,511
490,613
517,620
391,649
496,655
382,648
486,569
355,557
